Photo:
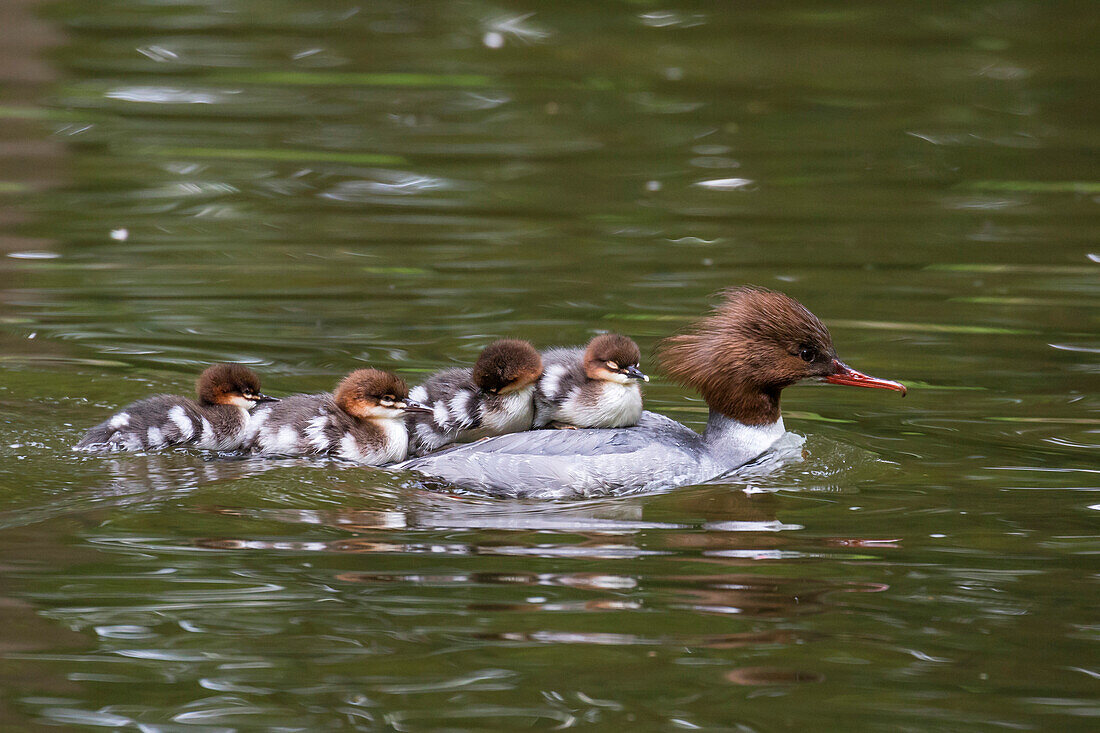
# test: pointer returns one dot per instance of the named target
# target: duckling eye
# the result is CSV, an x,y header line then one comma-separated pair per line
x,y
612,366
807,354
387,400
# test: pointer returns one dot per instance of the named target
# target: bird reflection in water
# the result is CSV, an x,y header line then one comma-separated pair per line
x,y
735,531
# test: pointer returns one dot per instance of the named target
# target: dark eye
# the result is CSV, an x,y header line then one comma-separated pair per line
x,y
807,354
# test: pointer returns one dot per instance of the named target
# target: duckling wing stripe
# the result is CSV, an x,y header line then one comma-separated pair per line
x,y
563,372
154,422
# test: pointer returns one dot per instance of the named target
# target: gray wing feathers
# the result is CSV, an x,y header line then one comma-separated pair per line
x,y
657,451
442,388
154,422
563,370
453,397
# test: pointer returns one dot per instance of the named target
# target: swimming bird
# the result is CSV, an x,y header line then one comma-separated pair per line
x,y
226,392
495,397
591,387
362,421
740,357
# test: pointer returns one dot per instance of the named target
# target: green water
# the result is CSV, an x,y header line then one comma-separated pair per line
x,y
309,187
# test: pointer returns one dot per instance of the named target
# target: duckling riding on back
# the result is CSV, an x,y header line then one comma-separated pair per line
x,y
594,387
494,398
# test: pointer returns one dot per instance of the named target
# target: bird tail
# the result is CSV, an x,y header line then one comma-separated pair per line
x,y
98,438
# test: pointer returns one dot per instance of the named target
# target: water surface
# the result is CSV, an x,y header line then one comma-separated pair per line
x,y
311,187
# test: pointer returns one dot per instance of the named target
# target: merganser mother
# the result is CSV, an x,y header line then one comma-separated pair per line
x,y
740,358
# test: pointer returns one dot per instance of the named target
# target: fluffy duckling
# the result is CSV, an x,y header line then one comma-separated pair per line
x,y
363,421
493,398
227,392
594,387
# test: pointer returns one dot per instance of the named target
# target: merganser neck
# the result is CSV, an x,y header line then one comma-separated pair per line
x,y
731,442
740,400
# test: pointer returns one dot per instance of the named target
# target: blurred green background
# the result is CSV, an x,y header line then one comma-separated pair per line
x,y
310,187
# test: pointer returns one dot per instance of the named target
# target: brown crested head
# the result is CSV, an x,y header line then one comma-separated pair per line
x,y
506,366
372,393
611,354
742,355
229,384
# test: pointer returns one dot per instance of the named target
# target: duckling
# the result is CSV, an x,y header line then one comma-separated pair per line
x,y
493,398
227,393
594,387
363,421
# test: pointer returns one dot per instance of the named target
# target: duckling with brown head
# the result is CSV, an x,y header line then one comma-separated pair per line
x,y
593,387
495,397
363,421
227,393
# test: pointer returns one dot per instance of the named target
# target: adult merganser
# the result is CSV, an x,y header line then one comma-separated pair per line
x,y
227,392
594,387
363,421
494,398
740,358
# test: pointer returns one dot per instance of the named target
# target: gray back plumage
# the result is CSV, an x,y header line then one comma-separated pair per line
x,y
563,370
454,399
657,452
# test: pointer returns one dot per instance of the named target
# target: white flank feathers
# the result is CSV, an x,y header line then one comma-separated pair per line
x,y
286,440
315,433
439,413
458,405
349,448
428,438
551,379
179,417
207,438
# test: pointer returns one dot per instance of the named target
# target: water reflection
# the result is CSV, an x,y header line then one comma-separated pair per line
x,y
771,676
198,625
135,482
